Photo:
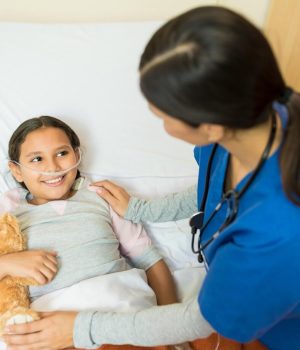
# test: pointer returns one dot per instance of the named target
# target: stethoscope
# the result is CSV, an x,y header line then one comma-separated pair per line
x,y
232,198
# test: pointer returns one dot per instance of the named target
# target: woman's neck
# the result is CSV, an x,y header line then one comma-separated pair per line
x,y
246,148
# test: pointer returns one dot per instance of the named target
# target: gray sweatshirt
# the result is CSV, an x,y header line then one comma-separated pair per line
x,y
82,230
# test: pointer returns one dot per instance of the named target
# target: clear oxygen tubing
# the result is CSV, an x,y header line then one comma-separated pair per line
x,y
51,173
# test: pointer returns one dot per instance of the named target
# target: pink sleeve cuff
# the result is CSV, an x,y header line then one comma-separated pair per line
x,y
132,237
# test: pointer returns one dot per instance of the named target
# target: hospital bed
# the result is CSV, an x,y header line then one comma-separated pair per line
x,y
87,75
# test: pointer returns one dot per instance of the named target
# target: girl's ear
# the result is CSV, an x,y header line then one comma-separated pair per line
x,y
16,171
78,153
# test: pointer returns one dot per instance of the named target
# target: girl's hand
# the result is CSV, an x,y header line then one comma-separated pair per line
x,y
34,264
114,195
52,332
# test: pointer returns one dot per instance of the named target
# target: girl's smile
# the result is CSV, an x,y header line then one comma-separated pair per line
x,y
54,182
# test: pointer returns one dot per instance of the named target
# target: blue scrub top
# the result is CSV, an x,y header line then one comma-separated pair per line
x,y
252,289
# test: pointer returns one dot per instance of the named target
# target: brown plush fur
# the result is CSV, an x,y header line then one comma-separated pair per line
x,y
14,299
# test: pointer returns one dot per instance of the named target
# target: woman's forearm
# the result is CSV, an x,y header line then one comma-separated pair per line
x,y
159,325
175,206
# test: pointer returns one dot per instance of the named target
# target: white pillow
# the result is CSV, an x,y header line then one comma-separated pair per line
x,y
87,75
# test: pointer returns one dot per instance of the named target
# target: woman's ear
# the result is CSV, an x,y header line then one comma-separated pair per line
x,y
16,171
214,132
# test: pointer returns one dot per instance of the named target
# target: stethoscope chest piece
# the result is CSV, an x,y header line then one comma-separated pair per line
x,y
196,221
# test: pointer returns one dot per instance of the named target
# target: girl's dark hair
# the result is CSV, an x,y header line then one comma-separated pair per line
x,y
19,135
210,65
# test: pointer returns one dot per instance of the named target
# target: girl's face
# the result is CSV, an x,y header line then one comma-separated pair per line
x,y
46,149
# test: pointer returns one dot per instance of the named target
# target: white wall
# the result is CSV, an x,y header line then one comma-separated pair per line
x,y
118,10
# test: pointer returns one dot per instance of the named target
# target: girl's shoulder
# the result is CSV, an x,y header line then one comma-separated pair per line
x,y
86,193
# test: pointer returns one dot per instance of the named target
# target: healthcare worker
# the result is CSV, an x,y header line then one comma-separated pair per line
x,y
212,78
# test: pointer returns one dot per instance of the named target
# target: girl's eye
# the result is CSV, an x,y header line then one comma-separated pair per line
x,y
36,159
62,153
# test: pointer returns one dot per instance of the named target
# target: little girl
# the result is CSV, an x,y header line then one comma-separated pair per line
x,y
72,234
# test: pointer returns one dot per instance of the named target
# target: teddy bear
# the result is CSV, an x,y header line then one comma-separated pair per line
x,y
14,298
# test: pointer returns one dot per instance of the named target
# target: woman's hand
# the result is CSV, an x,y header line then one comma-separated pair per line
x,y
39,265
114,195
52,332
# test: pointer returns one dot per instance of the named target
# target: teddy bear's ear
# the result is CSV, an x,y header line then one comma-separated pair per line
x,y
16,171
7,220
11,237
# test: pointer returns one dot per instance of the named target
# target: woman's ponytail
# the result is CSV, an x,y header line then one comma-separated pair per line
x,y
290,154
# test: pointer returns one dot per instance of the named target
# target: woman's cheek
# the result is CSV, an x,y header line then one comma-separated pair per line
x,y
170,130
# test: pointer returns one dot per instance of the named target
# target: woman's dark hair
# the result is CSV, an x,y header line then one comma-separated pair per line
x,y
210,65
19,135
